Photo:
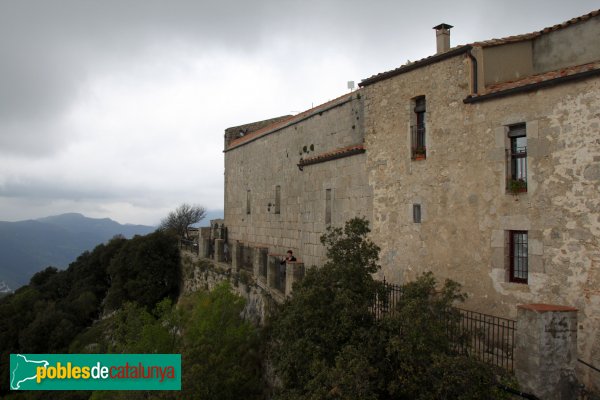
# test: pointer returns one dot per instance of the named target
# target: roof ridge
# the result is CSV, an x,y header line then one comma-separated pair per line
x,y
465,47
538,81
284,122
534,34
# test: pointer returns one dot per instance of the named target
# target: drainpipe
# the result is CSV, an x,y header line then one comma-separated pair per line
x,y
473,71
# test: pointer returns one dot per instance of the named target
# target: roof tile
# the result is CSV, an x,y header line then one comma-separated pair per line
x,y
486,43
546,76
333,154
532,35
288,121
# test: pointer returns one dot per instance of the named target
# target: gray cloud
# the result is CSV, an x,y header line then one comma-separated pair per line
x,y
119,106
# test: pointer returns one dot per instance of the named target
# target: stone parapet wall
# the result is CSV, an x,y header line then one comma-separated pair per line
x,y
546,351
236,132
204,274
261,293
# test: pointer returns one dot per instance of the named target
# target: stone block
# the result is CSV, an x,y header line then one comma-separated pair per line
x,y
546,350
272,271
516,222
219,256
236,256
536,247
498,238
294,273
496,154
532,129
498,258
536,264
205,247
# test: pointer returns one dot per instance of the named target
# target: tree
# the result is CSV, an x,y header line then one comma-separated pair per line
x,y
144,271
221,352
327,343
179,220
328,317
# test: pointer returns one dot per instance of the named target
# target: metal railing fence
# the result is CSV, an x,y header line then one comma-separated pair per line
x,y
486,337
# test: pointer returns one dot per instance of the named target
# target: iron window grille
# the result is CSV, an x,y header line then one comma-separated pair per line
x,y
517,159
417,131
518,256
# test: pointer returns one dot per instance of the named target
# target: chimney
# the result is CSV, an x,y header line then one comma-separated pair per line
x,y
442,36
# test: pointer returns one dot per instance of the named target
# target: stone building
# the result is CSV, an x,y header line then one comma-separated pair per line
x,y
284,183
480,163
484,162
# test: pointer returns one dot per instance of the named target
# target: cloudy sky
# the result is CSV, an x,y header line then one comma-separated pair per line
x,y
117,108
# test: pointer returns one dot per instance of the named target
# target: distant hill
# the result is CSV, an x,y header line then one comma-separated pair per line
x,y
210,215
27,247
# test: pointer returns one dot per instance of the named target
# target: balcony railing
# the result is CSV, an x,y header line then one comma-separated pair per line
x,y
417,142
516,176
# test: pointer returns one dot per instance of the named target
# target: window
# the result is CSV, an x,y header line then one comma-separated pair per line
x,y
417,131
517,254
417,213
328,201
277,199
517,159
248,202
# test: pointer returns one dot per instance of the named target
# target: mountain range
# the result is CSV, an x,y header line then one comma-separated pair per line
x,y
27,247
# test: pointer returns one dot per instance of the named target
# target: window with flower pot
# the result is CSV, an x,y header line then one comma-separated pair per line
x,y
517,254
516,181
417,129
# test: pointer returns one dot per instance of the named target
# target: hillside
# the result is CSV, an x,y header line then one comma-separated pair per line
x,y
27,247
119,298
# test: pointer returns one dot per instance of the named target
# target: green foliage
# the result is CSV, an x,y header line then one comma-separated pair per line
x,y
145,271
135,330
328,314
53,312
221,352
326,343
46,315
138,279
349,247
517,185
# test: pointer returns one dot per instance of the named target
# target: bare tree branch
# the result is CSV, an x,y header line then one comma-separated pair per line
x,y
179,220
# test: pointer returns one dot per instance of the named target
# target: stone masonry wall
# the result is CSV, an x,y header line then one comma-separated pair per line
x,y
261,165
204,274
461,187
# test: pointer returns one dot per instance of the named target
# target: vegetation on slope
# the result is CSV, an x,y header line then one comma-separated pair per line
x,y
27,247
119,298
324,342
327,344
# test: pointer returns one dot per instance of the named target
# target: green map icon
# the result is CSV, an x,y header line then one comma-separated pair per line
x,y
23,370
